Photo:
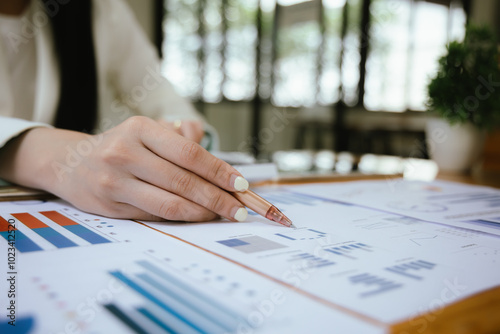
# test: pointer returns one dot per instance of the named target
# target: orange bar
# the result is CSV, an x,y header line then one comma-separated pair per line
x,y
58,218
4,225
28,220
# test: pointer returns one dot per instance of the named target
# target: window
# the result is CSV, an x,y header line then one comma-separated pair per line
x,y
374,55
210,50
406,39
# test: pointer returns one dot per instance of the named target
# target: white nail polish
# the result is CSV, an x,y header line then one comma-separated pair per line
x,y
241,214
240,184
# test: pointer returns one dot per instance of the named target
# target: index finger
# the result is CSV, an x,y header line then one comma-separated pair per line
x,y
191,156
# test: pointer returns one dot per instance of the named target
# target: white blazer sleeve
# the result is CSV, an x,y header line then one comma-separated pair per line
x,y
11,127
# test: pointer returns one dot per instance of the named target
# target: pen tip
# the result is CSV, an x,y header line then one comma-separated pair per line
x,y
286,221
276,215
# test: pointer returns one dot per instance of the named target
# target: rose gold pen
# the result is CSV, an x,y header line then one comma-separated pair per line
x,y
262,207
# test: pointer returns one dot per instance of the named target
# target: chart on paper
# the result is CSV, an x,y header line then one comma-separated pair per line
x,y
459,205
347,254
54,229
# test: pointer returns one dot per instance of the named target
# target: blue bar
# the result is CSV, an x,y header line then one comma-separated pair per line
x,y
120,276
334,252
319,232
382,289
54,237
304,256
355,246
188,306
360,277
324,264
123,317
373,280
22,325
284,236
233,242
86,234
411,265
403,273
425,264
402,267
346,247
186,287
154,319
22,242
360,244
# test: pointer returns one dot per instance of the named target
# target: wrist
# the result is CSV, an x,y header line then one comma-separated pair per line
x,y
29,159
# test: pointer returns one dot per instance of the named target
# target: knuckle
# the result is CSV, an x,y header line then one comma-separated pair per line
x,y
135,123
217,202
190,153
218,171
116,153
182,182
169,209
107,183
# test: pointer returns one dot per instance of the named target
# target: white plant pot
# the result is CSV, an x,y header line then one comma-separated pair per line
x,y
454,148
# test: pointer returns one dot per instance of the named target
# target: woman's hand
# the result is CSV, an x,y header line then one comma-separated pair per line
x,y
137,170
189,129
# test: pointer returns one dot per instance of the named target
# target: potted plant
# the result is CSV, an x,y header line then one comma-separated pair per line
x,y
464,97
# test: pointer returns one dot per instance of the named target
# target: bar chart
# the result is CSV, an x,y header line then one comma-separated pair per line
x,y
16,237
302,234
74,227
308,261
44,230
407,269
350,250
170,304
377,285
251,244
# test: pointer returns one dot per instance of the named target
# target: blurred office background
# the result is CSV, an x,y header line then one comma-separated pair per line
x,y
343,75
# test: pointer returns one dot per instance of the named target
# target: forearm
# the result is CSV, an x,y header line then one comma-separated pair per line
x,y
29,158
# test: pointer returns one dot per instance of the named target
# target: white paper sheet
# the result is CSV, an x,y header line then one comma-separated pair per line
x,y
87,274
455,204
386,266
346,268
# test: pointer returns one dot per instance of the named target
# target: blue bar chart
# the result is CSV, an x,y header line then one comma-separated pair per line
x,y
252,244
308,260
38,235
350,250
377,285
171,305
16,238
408,269
302,234
43,230
75,228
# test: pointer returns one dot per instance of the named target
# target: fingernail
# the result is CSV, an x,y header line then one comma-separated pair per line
x,y
239,183
241,214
